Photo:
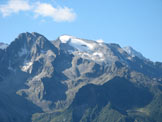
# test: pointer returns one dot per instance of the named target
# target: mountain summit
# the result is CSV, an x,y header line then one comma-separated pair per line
x,y
94,50
77,80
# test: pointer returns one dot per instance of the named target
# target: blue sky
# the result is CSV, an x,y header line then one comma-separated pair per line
x,y
137,23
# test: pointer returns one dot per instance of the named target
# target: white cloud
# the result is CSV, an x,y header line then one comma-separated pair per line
x,y
58,14
14,6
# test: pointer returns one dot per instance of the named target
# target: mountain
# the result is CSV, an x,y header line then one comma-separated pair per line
x,y
3,45
133,52
77,80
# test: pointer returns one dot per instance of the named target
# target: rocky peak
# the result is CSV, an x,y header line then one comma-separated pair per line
x,y
27,48
30,42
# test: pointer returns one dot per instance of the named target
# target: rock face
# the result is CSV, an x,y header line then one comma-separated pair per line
x,y
76,80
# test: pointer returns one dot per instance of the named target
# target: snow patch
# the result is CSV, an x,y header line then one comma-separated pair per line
x,y
99,54
133,52
100,41
65,38
79,44
26,66
84,48
3,46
